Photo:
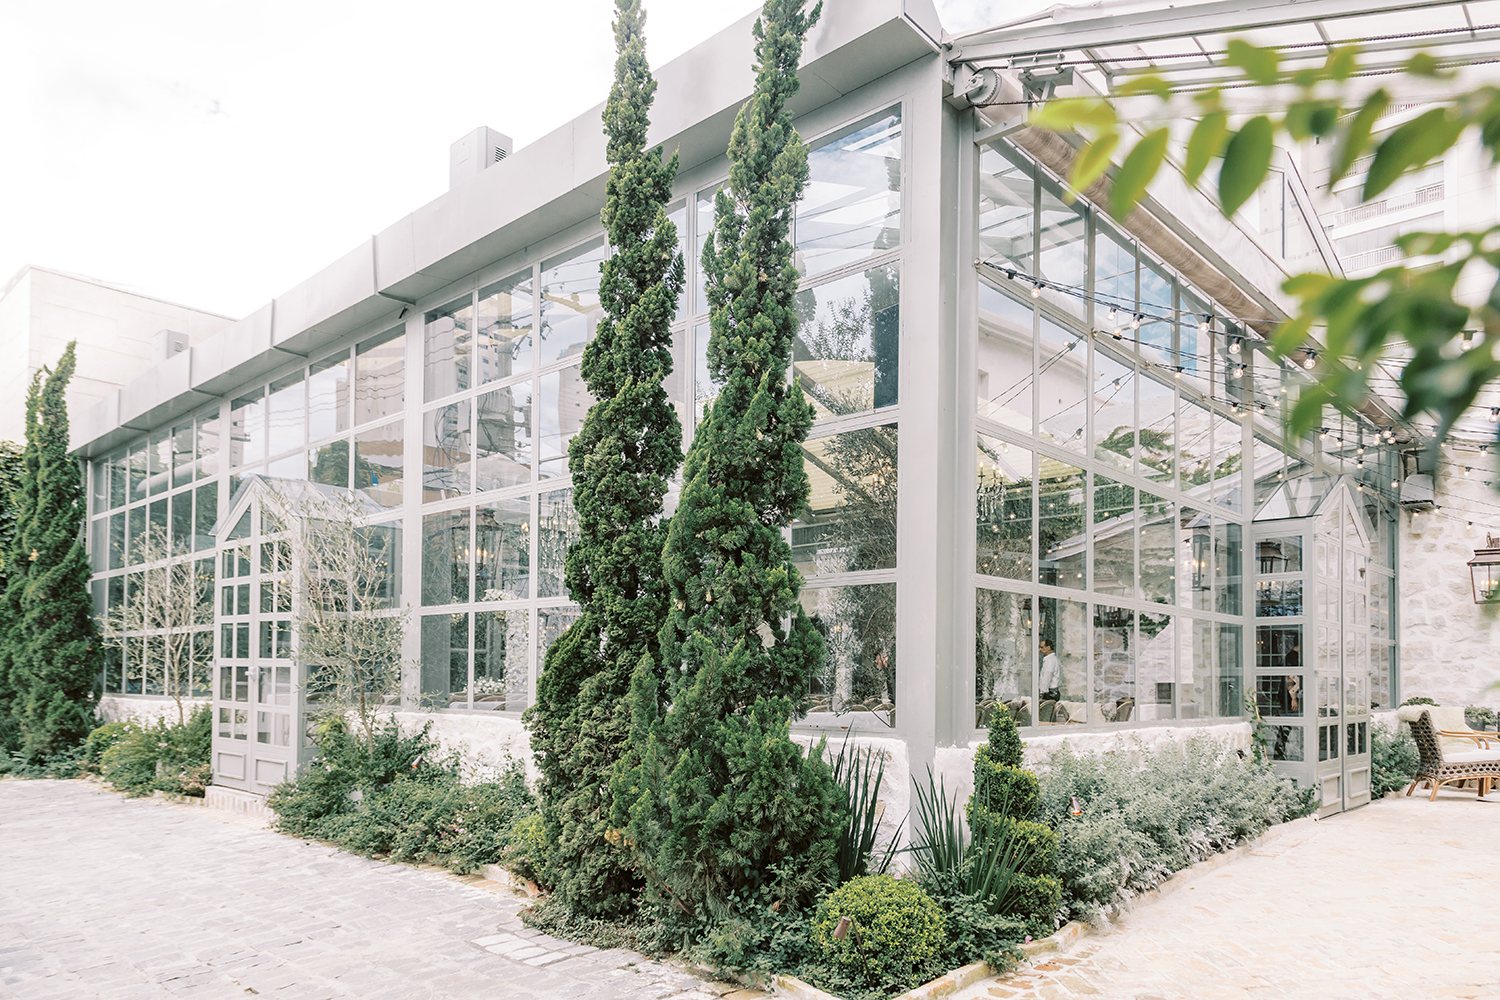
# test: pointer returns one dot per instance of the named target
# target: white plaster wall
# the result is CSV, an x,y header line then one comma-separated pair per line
x,y
144,709
114,329
1450,646
895,784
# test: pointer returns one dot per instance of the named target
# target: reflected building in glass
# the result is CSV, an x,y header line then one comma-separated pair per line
x,y
1047,465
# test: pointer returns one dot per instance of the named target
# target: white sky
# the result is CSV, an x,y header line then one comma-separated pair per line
x,y
216,154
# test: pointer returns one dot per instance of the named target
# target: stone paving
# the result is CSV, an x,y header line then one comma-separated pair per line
x,y
1399,899
104,897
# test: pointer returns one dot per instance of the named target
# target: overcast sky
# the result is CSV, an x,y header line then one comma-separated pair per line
x,y
216,154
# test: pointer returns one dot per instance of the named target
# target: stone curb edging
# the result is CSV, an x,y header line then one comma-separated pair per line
x,y
1063,938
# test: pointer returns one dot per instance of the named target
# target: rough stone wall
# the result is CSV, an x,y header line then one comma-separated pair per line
x,y
483,741
144,710
1450,646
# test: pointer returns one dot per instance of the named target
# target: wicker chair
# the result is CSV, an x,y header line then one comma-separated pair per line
x,y
1443,764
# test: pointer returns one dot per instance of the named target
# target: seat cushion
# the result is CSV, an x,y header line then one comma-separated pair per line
x,y
1472,756
1443,717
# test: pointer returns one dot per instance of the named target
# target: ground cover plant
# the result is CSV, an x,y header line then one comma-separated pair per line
x,y
160,756
399,795
1146,813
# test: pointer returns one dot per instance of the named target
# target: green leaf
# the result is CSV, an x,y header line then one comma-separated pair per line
x,y
1341,63
1259,64
1357,134
1142,163
1204,144
1425,64
1148,83
1246,160
1412,144
1067,113
1305,119
1093,160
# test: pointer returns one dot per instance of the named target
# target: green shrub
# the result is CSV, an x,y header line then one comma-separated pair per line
x,y
1149,813
897,938
1481,718
1393,759
162,756
1002,789
526,845
1415,700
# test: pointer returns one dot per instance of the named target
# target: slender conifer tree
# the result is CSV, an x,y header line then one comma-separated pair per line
x,y
722,802
20,500
55,665
623,460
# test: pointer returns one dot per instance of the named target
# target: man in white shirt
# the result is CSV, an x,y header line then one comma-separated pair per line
x,y
1051,674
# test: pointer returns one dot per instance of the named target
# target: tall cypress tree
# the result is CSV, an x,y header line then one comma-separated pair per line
x,y
55,669
722,802
20,501
623,460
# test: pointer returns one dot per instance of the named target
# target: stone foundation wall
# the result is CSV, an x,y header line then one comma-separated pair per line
x,y
144,709
484,741
1450,646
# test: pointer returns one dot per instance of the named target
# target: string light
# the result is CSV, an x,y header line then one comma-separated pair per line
x,y
1234,345
1036,290
1495,414
1135,321
1322,433
1310,360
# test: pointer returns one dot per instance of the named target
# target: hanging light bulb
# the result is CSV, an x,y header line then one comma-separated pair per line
x,y
1036,290
1112,314
1495,414
1135,321
1234,345
1178,373
1261,407
1117,333
1360,464
1322,433
1467,470
1239,371
1310,360
1205,323
1395,484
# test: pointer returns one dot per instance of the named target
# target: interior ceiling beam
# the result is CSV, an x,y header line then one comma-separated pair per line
x,y
1041,37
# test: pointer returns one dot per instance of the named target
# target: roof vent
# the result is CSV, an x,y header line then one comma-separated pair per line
x,y
481,148
1416,492
167,343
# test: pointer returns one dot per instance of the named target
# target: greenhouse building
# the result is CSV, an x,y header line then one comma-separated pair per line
x,y
1048,466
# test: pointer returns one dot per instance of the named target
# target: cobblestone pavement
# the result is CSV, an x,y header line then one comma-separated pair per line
x,y
1399,899
103,897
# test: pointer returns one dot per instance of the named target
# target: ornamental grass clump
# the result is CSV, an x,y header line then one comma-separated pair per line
x,y
1147,813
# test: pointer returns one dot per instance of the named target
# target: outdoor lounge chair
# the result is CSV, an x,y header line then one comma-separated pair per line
x,y
1444,757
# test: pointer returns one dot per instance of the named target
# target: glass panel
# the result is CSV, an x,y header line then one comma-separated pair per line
x,y
138,471
1114,663
705,386
1194,557
846,354
1061,542
1196,688
1158,533
1114,537
1156,330
1194,339
1227,468
504,437
379,376
502,556
1114,280
205,515
328,397
182,454
552,623
1279,555
1277,598
1002,654
851,206
330,464
137,533
1064,249
1007,198
1231,671
850,520
703,229
677,215
287,414
378,461
1158,430
445,557
446,451
1004,381
678,381
858,674
159,517
1062,637
117,540
119,483
182,520
570,301
1114,412
134,675
1196,456
208,446
247,429
557,528
565,401
449,333
114,677
159,462
1228,567
502,644
1003,514
445,660
504,345
154,666
1156,670
1062,386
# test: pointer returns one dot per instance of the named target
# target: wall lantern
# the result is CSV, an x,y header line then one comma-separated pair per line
x,y
1484,572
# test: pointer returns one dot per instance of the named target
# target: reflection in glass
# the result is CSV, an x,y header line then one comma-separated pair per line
x,y
330,464
504,437
446,451
1155,335
1003,515
847,348
1196,458
1114,663
1157,434
502,645
208,446
570,301
378,461
502,556
445,661
119,485
159,462
182,456
328,397
285,414
1062,386
565,402
1155,669
247,432
445,557
293,466
1002,656
1114,537
449,355
1227,470
851,206
1064,248
1114,411
557,528
850,520
1062,678
858,625
1004,381
1007,196
1061,541
1114,280
705,386
1278,598
379,376
504,341
1158,534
